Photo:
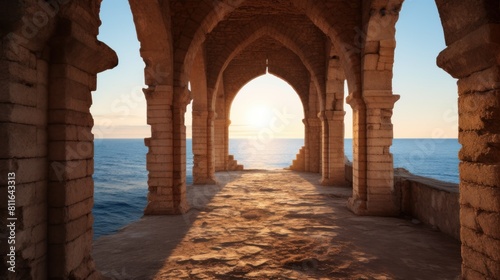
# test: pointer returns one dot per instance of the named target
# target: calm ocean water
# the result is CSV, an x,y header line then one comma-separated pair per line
x,y
121,178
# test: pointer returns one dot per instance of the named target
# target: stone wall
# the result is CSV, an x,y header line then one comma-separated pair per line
x,y
432,202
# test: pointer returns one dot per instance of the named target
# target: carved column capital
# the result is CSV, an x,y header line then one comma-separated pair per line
x,y
312,121
381,101
76,46
356,103
159,95
474,52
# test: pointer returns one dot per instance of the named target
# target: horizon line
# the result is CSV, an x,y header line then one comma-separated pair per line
x,y
291,138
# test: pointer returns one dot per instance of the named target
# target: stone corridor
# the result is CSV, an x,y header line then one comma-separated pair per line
x,y
275,225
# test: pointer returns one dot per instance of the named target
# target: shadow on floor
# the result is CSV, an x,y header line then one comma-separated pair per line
x,y
139,250
275,225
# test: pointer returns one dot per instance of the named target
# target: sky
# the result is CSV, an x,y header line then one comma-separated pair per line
x,y
427,108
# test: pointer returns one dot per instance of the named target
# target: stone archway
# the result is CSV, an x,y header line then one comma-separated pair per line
x,y
253,141
50,72
280,60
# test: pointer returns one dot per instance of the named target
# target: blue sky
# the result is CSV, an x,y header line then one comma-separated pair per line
x,y
427,108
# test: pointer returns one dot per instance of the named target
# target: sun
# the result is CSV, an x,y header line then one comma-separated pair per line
x,y
258,116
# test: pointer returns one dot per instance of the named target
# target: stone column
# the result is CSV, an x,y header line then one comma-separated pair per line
x,y
221,154
334,172
181,100
324,146
357,203
380,165
307,141
24,147
75,59
473,59
211,146
373,169
203,145
313,148
160,158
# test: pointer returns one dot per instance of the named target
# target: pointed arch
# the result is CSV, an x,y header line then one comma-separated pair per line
x,y
281,37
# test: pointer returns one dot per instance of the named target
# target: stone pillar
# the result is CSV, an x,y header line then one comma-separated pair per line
x,y
373,168
334,171
24,134
380,165
304,149
473,59
71,186
203,146
313,145
220,144
324,146
357,203
76,58
160,158
181,100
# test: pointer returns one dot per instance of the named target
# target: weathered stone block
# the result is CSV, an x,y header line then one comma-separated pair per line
x,y
18,93
39,234
20,140
20,72
82,119
489,223
27,170
479,147
63,233
69,72
60,215
372,47
60,171
481,243
482,104
479,264
59,132
370,62
159,167
153,158
388,43
33,215
78,249
480,197
468,217
69,95
480,81
67,193
71,150
478,173
23,114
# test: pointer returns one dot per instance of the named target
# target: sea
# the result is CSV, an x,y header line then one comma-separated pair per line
x,y
120,176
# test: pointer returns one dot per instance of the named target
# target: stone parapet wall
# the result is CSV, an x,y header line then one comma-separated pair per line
x,y
433,202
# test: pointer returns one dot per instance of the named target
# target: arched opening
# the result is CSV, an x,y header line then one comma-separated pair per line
x,y
348,121
189,141
266,127
119,112
426,116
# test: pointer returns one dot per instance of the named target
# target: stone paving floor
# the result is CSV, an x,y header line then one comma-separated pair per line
x,y
275,225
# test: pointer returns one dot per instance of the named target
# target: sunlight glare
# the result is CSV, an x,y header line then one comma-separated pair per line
x,y
259,116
